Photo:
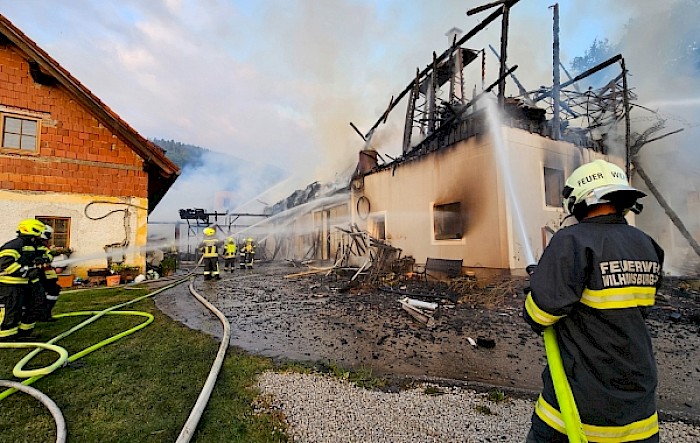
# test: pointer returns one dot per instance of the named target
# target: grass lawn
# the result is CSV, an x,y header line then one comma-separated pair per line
x,y
138,389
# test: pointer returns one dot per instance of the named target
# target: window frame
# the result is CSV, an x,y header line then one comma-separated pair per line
x,y
22,117
58,233
558,198
439,224
377,225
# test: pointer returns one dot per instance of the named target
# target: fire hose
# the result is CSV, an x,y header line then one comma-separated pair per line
x,y
562,389
36,374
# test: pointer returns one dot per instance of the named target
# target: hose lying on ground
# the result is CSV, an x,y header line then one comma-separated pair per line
x,y
203,399
43,398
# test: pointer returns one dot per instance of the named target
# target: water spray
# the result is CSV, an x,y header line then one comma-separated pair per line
x,y
500,150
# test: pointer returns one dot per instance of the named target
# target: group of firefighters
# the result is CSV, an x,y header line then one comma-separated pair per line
x,y
28,283
211,248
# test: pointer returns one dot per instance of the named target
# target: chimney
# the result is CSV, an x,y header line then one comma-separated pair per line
x,y
368,161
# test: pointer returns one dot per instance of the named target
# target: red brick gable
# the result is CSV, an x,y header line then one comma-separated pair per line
x,y
84,146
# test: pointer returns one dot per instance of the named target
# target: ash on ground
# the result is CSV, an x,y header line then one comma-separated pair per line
x,y
476,336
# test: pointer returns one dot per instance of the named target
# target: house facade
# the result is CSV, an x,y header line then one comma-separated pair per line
x,y
70,161
492,200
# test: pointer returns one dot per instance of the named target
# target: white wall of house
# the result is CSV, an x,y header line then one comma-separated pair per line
x,y
87,237
471,173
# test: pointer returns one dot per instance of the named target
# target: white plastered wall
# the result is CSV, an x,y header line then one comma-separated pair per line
x,y
87,237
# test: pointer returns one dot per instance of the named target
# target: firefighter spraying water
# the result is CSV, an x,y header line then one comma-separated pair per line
x,y
590,294
247,254
210,254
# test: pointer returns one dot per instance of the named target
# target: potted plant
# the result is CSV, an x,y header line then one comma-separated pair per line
x,y
127,273
168,265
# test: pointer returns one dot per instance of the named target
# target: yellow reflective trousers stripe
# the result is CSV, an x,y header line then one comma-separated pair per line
x,y
638,430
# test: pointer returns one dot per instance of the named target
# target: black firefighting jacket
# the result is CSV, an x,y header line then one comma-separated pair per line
x,y
15,254
596,282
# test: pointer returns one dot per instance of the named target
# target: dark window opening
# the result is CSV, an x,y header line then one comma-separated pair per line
x,y
553,187
448,221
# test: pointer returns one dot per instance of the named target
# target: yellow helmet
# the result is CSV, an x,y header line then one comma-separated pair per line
x,y
209,232
249,240
598,182
229,240
30,226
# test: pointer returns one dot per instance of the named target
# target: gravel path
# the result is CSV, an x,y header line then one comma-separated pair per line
x,y
324,409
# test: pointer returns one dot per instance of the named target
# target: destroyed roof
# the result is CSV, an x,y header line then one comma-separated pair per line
x,y
162,172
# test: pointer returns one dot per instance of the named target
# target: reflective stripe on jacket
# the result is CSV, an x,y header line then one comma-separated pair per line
x,y
230,250
596,282
11,254
209,248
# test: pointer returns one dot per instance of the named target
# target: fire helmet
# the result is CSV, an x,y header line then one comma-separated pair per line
x,y
30,226
47,232
229,239
249,240
598,182
209,232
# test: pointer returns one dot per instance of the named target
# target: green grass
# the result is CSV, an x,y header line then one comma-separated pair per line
x,y
138,389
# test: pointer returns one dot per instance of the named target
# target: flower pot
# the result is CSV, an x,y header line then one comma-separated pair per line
x,y
113,280
65,280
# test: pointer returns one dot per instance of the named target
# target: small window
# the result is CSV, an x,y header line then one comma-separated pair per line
x,y
378,227
553,187
61,230
20,133
448,221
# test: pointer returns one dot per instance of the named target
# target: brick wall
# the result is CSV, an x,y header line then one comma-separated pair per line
x,y
77,153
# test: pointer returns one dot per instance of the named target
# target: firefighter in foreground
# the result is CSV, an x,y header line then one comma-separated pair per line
x,y
247,254
48,279
594,285
229,255
210,253
18,312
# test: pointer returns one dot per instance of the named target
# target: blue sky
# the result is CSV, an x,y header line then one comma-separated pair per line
x,y
278,81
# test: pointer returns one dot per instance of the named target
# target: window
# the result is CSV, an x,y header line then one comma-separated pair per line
x,y
448,221
553,187
61,230
377,228
20,133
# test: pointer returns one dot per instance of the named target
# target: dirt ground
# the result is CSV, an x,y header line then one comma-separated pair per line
x,y
319,318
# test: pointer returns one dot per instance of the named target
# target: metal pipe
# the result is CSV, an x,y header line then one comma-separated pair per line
x,y
556,127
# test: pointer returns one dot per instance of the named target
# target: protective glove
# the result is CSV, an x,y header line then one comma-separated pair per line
x,y
33,273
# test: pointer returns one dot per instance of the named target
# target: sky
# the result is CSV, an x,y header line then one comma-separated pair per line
x,y
279,81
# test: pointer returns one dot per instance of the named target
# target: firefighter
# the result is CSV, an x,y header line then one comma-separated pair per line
x,y
210,253
594,285
49,277
229,255
247,254
17,310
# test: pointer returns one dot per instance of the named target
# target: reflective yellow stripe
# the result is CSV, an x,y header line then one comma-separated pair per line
x,y
8,332
616,298
10,253
50,274
26,326
14,267
2,316
13,280
537,314
638,430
